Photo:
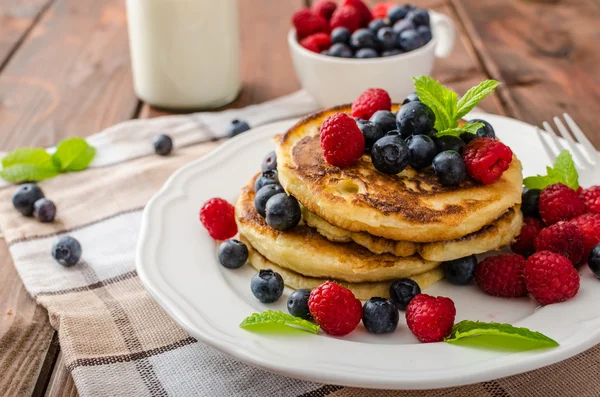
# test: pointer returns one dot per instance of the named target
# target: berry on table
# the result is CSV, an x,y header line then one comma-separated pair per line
x,y
282,212
419,17
415,118
307,22
44,210
397,13
460,271
335,308
486,159
524,242
425,33
340,50
430,318
218,217
236,127
66,251
232,254
550,277
487,131
347,17
266,178
316,42
363,10
324,8
559,203
377,24
502,275
449,168
340,35
267,285
409,40
402,291
297,304
263,195
370,101
366,53
422,150
402,26
449,142
371,131
591,199
412,97
390,154
163,145
530,201
342,141
563,238
386,38
269,162
380,316
590,224
380,10
25,196
593,261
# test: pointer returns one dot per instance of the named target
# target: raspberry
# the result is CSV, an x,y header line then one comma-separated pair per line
x,y
316,42
563,238
590,225
324,8
335,308
307,23
363,10
341,140
430,318
502,275
550,277
524,243
370,101
218,217
591,199
347,17
381,9
559,203
486,159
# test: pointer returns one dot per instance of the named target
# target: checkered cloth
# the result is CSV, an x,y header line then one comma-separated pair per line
x,y
115,339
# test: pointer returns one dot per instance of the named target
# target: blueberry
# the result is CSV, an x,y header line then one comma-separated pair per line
x,y
460,271
467,137
412,97
387,39
422,150
425,33
44,210
450,142
402,291
450,168
340,35
263,195
340,50
269,162
66,251
385,119
365,53
415,118
487,131
419,17
402,26
297,304
371,131
391,53
163,145
282,212
236,127
397,13
266,178
363,38
529,203
380,316
390,154
594,261
409,40
233,254
377,24
25,197
267,286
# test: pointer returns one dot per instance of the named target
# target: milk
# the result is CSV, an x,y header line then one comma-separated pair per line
x,y
185,53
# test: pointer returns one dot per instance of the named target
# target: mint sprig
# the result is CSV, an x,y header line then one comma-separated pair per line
x,y
474,95
564,172
73,154
470,127
498,336
271,321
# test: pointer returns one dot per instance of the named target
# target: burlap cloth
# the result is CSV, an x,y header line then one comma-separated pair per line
x,y
115,339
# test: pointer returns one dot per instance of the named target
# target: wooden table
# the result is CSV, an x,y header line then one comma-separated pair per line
x,y
64,71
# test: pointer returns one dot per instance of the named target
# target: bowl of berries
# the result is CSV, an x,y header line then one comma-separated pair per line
x,y
340,50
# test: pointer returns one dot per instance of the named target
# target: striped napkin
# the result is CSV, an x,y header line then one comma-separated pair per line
x,y
115,339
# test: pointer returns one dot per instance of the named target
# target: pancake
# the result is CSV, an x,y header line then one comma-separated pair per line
x,y
303,250
490,237
363,291
410,206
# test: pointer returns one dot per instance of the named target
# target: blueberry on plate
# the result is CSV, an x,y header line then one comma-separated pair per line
x,y
269,162
377,24
402,26
385,119
266,178
365,53
391,53
529,203
380,316
390,154
449,168
460,271
340,50
402,291
340,35
263,195
267,286
415,118
387,39
419,17
487,131
421,151
163,145
397,13
594,261
25,197
425,33
371,131
449,142
44,210
297,304
236,127
409,40
282,212
363,38
233,254
66,251
412,97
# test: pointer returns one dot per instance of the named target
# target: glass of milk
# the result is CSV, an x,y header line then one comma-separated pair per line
x,y
185,54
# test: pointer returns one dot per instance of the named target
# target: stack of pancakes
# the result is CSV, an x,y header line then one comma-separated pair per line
x,y
365,229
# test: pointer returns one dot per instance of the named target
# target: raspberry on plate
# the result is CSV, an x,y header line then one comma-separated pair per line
x,y
563,238
430,318
550,277
363,10
590,224
591,199
370,101
335,308
559,203
341,140
306,23
346,17
381,9
324,8
218,217
524,244
316,42
502,275
486,159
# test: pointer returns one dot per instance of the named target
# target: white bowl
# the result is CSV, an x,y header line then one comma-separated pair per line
x,y
333,81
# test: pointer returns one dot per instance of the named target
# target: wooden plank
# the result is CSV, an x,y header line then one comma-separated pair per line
x,y
61,383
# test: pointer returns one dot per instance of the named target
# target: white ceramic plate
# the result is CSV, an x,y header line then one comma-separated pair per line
x,y
176,261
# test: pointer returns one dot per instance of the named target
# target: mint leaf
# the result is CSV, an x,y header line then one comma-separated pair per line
x,y
440,99
474,96
19,173
27,155
564,172
277,321
498,336
73,154
470,127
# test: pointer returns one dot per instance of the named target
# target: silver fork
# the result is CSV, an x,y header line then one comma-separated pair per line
x,y
584,153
